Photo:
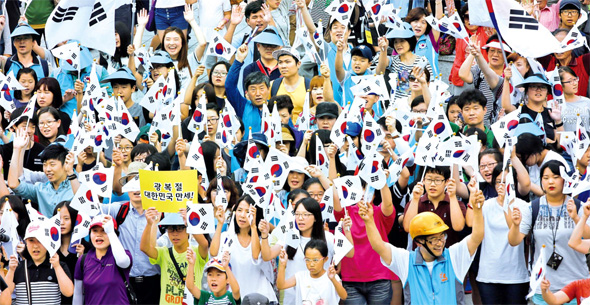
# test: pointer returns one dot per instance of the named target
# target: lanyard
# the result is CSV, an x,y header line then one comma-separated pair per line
x,y
554,232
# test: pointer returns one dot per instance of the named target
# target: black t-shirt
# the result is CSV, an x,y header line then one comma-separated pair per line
x,y
32,161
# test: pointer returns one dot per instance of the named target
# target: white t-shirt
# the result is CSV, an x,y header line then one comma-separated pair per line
x,y
315,290
570,113
298,262
573,266
500,262
460,260
169,3
253,276
210,14
535,171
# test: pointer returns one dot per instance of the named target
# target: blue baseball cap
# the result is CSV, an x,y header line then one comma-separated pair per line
x,y
161,57
353,129
362,51
123,73
22,30
571,4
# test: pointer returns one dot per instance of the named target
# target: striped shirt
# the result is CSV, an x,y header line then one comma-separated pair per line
x,y
493,105
44,286
207,298
403,72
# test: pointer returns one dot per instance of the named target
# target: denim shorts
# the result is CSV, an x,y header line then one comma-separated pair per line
x,y
172,16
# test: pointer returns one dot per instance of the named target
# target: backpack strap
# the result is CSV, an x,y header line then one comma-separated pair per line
x,y
307,82
178,271
44,65
275,86
82,264
122,214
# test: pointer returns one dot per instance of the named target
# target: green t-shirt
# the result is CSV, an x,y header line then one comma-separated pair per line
x,y
172,286
38,12
208,298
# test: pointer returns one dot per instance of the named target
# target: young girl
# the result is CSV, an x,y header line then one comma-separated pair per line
x,y
49,94
28,79
314,285
50,125
98,274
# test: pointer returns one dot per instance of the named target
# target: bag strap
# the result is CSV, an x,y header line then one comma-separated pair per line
x,y
182,276
131,295
122,213
275,86
82,264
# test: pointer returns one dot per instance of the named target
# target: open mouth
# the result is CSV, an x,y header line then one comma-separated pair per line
x,y
99,241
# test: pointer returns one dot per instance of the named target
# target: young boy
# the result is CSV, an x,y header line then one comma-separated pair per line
x,y
123,83
172,260
219,275
473,108
361,57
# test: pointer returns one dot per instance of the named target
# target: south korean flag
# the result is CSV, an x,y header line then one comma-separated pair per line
x,y
327,205
221,48
69,53
85,201
200,218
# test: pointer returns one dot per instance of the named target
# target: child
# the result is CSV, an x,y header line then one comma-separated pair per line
x,y
315,284
218,276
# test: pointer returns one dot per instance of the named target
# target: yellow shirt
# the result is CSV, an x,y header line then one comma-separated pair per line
x,y
297,97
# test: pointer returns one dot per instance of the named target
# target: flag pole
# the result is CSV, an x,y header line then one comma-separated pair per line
x,y
28,284
133,11
502,47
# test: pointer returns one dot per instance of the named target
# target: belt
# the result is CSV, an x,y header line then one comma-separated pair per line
x,y
141,279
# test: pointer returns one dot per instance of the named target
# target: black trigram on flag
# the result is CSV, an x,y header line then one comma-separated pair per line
x,y
64,14
98,14
519,19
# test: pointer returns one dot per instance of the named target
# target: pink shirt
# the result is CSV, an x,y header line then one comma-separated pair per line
x,y
549,16
366,265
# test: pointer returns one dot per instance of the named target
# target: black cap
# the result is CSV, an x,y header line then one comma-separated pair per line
x,y
326,109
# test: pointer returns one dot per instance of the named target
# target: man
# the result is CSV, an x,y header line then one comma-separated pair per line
x,y
172,260
266,43
58,166
431,274
256,89
473,108
569,13
130,218
440,198
326,114
31,159
291,83
23,42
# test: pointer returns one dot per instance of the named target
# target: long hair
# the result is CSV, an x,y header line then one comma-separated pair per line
x,y
317,230
183,54
18,93
229,186
124,40
73,212
259,213
19,208
53,86
55,114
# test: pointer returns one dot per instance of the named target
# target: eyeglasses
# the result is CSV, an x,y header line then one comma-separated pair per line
x,y
537,87
269,46
573,80
435,181
412,79
212,120
172,229
489,165
218,73
314,260
48,123
126,148
436,240
570,12
303,215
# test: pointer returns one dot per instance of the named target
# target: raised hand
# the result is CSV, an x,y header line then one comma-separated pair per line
x,y
516,216
190,256
264,228
143,17
418,191
365,211
331,272
21,139
242,53
54,261
152,215
188,13
237,14
283,257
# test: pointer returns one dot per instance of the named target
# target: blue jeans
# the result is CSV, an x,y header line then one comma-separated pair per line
x,y
492,293
371,293
172,16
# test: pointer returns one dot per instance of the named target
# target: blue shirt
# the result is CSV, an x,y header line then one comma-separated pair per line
x,y
130,232
425,48
250,114
37,66
332,64
45,195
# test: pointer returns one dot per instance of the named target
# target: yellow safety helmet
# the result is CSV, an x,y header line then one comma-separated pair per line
x,y
427,223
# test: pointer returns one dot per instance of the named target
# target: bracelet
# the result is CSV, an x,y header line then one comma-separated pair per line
x,y
264,237
72,177
559,125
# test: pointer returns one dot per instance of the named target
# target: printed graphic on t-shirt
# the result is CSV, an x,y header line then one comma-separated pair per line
x,y
547,219
174,289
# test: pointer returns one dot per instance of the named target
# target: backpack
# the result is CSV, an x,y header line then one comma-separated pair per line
x,y
277,83
530,238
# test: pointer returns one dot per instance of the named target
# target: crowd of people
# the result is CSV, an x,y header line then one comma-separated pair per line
x,y
395,183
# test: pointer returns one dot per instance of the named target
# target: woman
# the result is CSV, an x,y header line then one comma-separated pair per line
x,y
126,147
534,154
488,160
575,105
231,195
46,289
217,76
295,179
502,276
68,220
192,97
509,100
252,273
28,79
86,159
308,218
419,85
320,90
49,127
308,148
581,64
49,94
552,227
461,51
212,121
402,64
120,58
142,151
20,211
426,36
101,273
581,168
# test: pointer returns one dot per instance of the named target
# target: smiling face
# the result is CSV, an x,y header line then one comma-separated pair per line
x,y
552,183
99,238
401,46
30,128
257,20
339,31
486,166
173,44
54,170
36,249
48,125
217,281
419,26
44,97
436,243
27,81
66,221
295,180
126,146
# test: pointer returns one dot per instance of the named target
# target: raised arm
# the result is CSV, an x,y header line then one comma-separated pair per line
x,y
515,237
506,103
216,240
383,58
254,240
491,77
328,90
457,218
339,61
576,242
478,223
142,20
283,283
551,298
189,16
237,14
366,214
267,251
302,7
190,274
412,210
465,70
148,238
66,286
233,282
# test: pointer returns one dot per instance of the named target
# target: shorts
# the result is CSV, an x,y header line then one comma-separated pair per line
x,y
172,16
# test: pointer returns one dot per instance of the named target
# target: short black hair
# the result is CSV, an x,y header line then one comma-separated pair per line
x,y
528,144
417,101
161,159
54,151
120,81
213,106
381,122
283,101
256,78
481,134
492,151
472,96
553,165
317,244
444,171
143,148
252,8
412,41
